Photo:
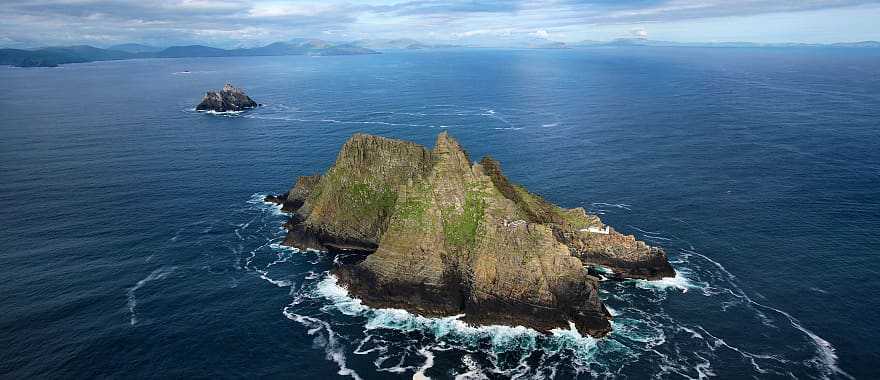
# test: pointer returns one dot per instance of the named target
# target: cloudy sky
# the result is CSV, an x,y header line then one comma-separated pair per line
x,y
230,23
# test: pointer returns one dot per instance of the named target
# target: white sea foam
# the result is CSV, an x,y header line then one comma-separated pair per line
x,y
253,253
260,199
330,289
281,257
501,337
279,283
282,247
221,113
474,371
827,356
694,333
645,332
680,282
369,339
328,339
611,311
572,339
333,121
157,274
452,329
615,205
429,362
819,290
704,369
641,329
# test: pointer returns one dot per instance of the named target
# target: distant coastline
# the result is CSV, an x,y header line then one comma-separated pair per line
x,y
56,56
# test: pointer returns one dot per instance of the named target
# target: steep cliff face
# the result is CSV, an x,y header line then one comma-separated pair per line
x,y
447,237
228,99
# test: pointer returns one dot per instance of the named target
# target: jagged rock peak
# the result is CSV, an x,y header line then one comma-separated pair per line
x,y
447,144
229,99
232,89
443,236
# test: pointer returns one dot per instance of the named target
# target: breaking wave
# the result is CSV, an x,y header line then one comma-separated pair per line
x,y
679,282
673,327
221,113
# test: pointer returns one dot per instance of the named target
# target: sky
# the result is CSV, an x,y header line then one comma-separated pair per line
x,y
246,23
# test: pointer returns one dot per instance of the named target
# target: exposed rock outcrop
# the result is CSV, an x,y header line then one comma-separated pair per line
x,y
228,99
447,237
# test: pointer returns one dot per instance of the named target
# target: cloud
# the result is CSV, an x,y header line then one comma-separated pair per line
x,y
482,32
639,32
291,10
251,22
434,7
541,33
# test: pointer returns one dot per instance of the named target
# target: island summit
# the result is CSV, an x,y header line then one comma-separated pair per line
x,y
439,235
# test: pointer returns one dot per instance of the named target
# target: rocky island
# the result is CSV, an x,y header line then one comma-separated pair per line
x,y
439,235
228,99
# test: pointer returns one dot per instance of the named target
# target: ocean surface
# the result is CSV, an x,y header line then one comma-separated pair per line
x,y
135,243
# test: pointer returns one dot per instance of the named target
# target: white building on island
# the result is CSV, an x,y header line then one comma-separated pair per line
x,y
597,230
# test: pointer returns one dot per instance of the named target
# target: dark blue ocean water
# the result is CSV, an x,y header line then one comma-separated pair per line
x,y
134,243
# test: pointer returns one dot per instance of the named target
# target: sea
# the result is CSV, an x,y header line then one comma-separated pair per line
x,y
136,244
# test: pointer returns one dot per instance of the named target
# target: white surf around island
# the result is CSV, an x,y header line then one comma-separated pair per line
x,y
501,338
221,113
679,282
641,330
403,320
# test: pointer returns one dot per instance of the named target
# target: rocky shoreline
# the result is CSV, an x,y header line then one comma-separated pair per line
x,y
229,99
438,235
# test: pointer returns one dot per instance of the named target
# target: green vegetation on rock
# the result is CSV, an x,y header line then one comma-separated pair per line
x,y
412,208
448,236
461,228
369,202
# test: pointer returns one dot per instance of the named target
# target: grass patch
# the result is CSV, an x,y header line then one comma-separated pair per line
x,y
367,202
412,211
539,210
461,229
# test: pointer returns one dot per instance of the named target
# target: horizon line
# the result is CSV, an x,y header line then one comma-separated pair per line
x,y
501,44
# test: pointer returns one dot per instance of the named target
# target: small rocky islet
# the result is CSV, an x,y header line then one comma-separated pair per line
x,y
229,99
438,235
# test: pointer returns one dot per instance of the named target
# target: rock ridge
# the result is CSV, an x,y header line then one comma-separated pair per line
x,y
229,99
439,235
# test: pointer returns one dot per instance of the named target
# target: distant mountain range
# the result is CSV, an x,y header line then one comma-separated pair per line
x,y
400,43
136,48
54,56
647,42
